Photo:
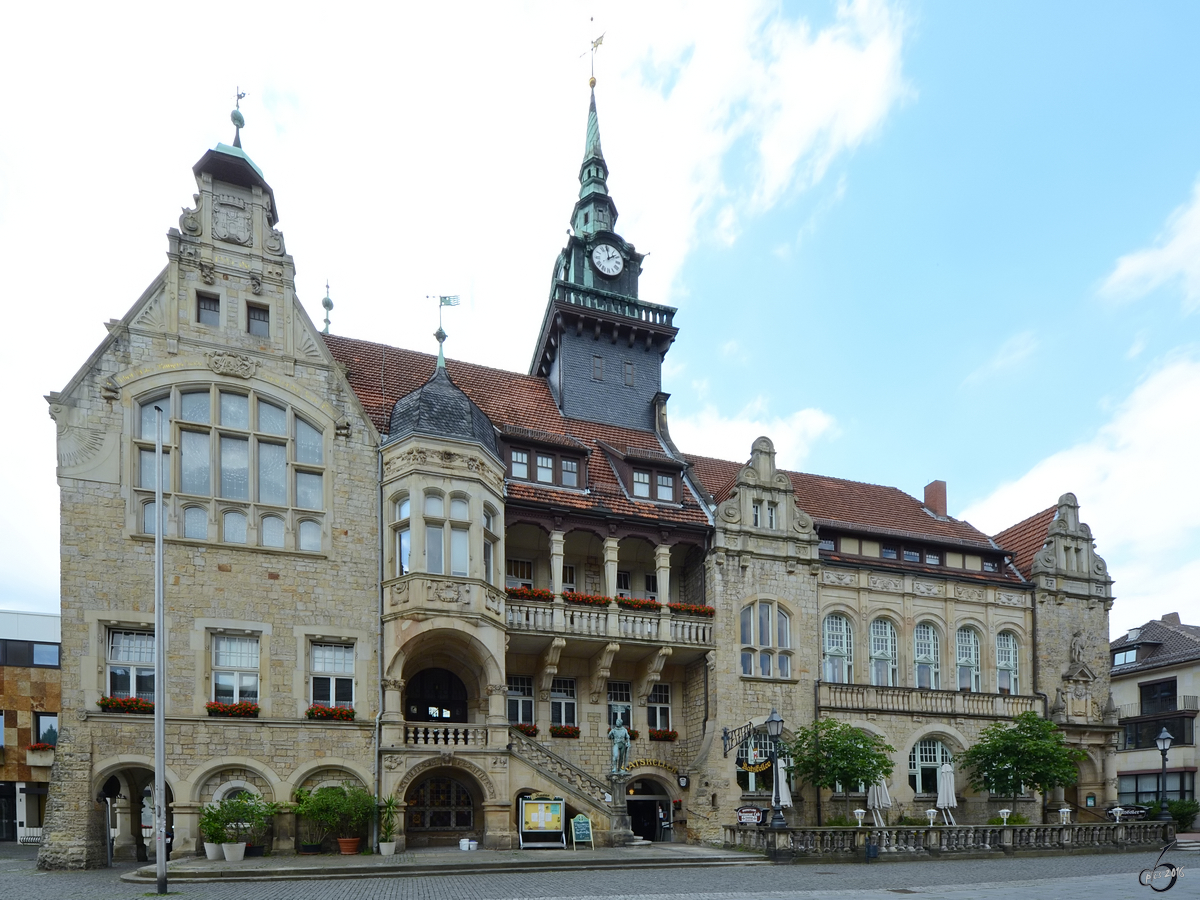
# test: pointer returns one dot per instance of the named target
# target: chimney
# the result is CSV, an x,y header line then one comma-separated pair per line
x,y
935,497
1170,619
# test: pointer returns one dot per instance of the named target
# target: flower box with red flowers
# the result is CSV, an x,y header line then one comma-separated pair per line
x,y
245,710
339,713
527,729
564,731
691,609
587,599
663,734
633,734
638,603
41,747
126,705
524,593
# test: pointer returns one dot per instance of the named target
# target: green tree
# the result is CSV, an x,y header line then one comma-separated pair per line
x,y
830,752
1029,751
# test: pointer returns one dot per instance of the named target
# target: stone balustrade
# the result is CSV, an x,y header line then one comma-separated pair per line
x,y
873,698
797,843
608,622
446,735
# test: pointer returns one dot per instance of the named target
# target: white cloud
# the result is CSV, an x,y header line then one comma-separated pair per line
x,y
1175,257
1138,345
710,433
1138,488
1010,355
731,348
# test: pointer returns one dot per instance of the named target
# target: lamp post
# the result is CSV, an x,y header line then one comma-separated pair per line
x,y
1164,744
774,730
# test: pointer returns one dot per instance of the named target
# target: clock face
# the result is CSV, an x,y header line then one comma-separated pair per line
x,y
607,260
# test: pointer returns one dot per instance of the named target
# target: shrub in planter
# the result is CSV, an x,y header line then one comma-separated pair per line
x,y
663,734
318,812
691,609
587,599
125,705
564,731
1014,819
524,593
638,603
232,710
527,729
318,711
387,826
212,829
246,818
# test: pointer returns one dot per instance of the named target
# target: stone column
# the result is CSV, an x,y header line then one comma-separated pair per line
x,y
125,842
557,538
662,565
611,551
1110,774
392,721
497,714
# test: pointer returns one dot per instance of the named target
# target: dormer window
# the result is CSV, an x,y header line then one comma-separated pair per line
x,y
570,473
1124,657
991,565
666,487
546,467
520,464
641,484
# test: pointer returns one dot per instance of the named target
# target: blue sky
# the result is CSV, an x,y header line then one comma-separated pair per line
x,y
907,241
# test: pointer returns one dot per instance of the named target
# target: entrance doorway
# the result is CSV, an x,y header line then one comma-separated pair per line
x,y
436,695
438,811
649,809
8,811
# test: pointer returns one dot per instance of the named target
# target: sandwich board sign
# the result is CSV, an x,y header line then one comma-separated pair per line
x,y
542,823
581,832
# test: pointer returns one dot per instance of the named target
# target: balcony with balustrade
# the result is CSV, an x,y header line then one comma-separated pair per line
x,y
869,698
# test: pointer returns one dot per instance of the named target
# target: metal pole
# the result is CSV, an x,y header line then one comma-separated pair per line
x,y
777,819
160,694
1163,814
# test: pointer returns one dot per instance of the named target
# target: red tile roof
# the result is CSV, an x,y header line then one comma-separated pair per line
x,y
1026,538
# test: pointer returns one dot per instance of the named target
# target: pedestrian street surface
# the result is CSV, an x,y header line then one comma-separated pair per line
x,y
1090,877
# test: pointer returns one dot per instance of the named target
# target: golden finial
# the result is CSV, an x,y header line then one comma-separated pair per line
x,y
592,81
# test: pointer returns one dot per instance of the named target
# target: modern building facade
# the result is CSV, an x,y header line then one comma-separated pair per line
x,y
1155,685
490,568
30,702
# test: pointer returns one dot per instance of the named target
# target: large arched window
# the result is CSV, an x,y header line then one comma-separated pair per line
x,y
766,633
967,642
926,656
924,762
1006,663
838,649
246,462
883,653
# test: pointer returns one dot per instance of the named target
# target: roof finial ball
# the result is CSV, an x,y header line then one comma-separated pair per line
x,y
592,81
239,121
328,305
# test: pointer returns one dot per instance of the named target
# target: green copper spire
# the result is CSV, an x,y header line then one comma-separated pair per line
x,y
595,211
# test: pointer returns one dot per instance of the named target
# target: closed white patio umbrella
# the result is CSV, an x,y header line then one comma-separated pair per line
x,y
946,800
878,799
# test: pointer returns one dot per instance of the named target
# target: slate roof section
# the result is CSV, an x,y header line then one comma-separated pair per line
x,y
441,409
1026,538
1165,645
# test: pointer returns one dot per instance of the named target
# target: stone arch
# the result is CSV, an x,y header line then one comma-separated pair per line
x,y
116,765
337,769
135,775
453,645
207,784
447,761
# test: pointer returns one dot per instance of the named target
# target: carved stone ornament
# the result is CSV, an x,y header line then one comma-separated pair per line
x,y
968,593
499,762
801,521
448,759
208,272
224,363
1008,598
731,510
188,251
927,588
845,579
232,220
274,242
189,222
392,684
393,761
110,390
400,593
449,592
494,689
885,583
256,282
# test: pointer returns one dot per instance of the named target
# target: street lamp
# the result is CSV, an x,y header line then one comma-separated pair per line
x,y
1164,744
774,725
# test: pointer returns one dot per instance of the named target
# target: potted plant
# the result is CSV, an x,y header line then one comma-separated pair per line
x,y
319,812
125,705
245,710
358,807
320,711
212,831
40,754
235,813
387,827
564,731
258,814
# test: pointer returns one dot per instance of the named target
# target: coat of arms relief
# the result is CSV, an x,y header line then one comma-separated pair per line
x,y
232,220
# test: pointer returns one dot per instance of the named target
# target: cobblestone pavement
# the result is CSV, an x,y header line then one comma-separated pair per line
x,y
1069,878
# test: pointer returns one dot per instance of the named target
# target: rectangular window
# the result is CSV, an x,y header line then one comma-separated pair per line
x,y
651,587
309,490
827,544
933,557
889,551
562,702
195,406
272,473
620,704
459,545
333,675
756,514
488,565
131,664
434,549
641,484
258,320
545,469
623,584
403,546
235,411
235,669
194,462
628,374
520,464
520,699
913,556
747,662
658,708
235,468
568,579
785,666
518,573
570,473
45,728
666,488
208,310
597,368
1121,657
747,624
764,624
991,565
46,655
1159,697
771,515
147,470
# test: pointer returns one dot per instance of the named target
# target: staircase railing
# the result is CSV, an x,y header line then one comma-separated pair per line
x,y
560,770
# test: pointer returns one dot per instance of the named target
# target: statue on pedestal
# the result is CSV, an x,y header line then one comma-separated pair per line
x,y
619,735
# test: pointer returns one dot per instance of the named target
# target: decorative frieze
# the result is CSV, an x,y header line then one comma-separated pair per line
x,y
224,363
886,583
842,579
962,592
928,588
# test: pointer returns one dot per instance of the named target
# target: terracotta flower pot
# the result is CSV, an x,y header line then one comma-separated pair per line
x,y
348,846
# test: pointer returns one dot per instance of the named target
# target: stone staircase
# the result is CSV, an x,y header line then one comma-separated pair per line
x,y
583,787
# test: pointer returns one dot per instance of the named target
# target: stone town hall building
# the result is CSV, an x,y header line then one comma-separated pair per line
x,y
454,551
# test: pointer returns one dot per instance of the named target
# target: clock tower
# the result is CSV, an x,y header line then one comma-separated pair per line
x,y
600,347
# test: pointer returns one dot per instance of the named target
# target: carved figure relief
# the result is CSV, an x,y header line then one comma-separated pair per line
x,y
189,222
274,242
845,579
255,282
927,588
885,583
224,363
393,761
1078,647
208,272
400,593
1008,598
231,220
968,593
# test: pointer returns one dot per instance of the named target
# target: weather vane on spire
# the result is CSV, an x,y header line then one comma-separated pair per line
x,y
239,121
595,45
